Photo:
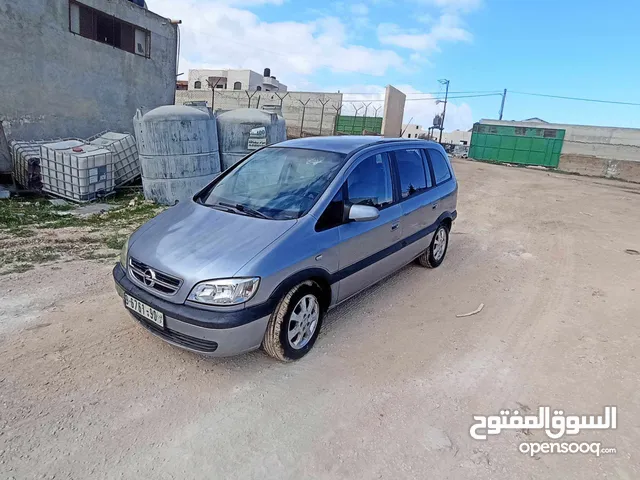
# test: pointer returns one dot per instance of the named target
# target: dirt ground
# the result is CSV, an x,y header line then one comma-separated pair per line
x,y
391,386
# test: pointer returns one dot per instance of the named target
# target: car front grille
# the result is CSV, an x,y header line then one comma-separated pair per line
x,y
204,346
152,278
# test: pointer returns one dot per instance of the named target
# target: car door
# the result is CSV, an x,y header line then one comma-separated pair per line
x,y
367,248
445,191
416,200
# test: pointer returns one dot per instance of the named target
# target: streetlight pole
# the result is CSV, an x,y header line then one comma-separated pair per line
x,y
444,111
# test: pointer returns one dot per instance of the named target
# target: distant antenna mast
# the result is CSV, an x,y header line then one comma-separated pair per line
x,y
405,128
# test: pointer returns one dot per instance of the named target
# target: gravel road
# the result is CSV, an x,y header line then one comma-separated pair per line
x,y
394,379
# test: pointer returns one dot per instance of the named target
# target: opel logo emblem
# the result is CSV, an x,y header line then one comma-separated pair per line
x,y
149,277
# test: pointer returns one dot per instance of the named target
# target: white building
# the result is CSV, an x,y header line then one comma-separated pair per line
x,y
234,80
457,137
412,130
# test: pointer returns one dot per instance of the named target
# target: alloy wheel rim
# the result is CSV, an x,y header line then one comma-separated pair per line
x,y
439,244
303,321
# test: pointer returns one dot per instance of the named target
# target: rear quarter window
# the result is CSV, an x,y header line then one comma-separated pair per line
x,y
440,166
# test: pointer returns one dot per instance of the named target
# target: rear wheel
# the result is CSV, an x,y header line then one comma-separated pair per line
x,y
434,255
295,323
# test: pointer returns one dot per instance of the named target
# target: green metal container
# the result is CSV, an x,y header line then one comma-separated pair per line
x,y
351,125
520,145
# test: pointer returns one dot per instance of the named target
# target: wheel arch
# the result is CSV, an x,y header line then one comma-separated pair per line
x,y
447,219
319,276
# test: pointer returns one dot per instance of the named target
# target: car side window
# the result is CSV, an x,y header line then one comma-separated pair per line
x,y
333,215
427,168
370,182
440,166
411,171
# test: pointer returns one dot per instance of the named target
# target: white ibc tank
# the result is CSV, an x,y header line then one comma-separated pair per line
x,y
178,148
244,130
76,170
126,164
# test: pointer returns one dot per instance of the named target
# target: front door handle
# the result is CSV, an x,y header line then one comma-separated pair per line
x,y
395,226
434,206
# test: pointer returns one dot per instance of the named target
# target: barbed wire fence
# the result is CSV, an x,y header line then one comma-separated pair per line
x,y
305,113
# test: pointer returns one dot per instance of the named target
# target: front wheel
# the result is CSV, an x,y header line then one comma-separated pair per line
x,y
295,323
434,255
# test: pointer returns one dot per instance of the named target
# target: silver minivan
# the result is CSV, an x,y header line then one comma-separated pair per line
x,y
258,256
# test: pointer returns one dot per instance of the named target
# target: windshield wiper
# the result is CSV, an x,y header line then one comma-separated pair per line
x,y
244,209
220,206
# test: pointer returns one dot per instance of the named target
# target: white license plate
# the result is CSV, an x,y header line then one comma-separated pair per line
x,y
145,310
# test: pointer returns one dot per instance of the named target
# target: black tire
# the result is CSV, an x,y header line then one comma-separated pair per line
x,y
276,340
427,259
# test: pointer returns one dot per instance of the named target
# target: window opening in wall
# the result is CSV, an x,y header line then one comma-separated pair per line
x,y
197,84
258,88
96,25
522,131
549,134
237,86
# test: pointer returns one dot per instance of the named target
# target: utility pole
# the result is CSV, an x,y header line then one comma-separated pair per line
x,y
444,111
504,97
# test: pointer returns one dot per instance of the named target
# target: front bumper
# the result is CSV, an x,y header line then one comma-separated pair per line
x,y
216,334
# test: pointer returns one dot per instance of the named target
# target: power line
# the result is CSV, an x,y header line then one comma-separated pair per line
x,y
423,99
614,102
421,93
459,96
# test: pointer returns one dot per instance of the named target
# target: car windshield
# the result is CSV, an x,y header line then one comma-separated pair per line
x,y
277,183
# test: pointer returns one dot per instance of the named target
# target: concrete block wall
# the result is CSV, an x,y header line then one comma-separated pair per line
x,y
592,150
393,115
58,84
291,106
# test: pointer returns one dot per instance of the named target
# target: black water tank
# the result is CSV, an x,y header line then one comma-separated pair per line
x,y
140,3
267,72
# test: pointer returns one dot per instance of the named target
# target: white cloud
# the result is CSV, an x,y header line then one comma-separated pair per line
x,y
359,9
425,18
458,117
391,34
455,5
446,29
449,28
216,34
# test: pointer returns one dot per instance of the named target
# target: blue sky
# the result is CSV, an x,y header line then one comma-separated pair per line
x,y
579,48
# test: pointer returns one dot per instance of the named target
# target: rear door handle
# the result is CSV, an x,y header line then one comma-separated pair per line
x,y
434,206
395,226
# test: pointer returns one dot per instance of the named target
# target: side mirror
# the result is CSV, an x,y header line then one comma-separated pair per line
x,y
363,213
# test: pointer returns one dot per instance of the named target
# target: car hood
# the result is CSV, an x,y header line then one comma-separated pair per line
x,y
196,243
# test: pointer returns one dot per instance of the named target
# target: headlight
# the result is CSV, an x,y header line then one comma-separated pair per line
x,y
124,253
230,291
